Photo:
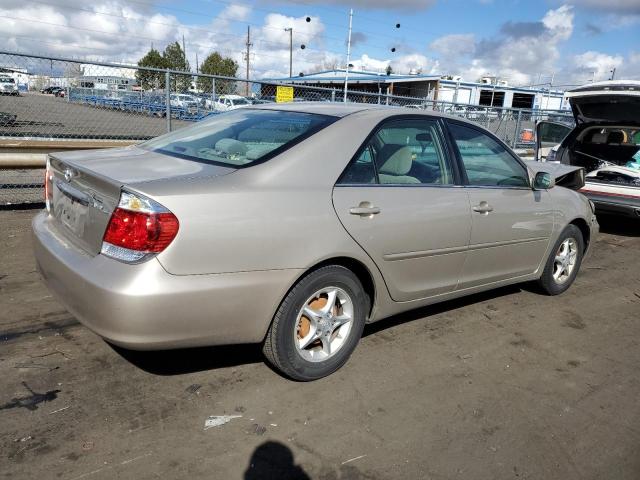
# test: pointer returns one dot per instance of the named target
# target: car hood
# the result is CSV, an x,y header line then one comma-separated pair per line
x,y
606,102
133,165
567,176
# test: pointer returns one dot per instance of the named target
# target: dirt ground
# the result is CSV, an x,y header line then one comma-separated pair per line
x,y
504,385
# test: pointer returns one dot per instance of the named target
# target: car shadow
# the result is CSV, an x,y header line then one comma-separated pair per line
x,y
192,360
423,313
619,225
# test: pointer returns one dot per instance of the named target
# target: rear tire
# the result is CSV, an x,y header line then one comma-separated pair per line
x,y
564,262
318,324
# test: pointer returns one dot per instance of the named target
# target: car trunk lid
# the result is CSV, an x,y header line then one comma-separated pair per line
x,y
616,102
85,186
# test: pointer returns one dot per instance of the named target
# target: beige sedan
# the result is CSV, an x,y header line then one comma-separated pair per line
x,y
294,225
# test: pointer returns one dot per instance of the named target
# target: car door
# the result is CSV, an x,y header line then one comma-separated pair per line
x,y
511,223
398,199
548,135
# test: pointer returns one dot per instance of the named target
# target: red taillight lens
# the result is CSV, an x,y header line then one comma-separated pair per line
x,y
141,231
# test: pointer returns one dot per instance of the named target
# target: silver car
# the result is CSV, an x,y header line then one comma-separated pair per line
x,y
295,225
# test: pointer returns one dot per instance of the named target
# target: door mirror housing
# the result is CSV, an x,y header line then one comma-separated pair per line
x,y
543,181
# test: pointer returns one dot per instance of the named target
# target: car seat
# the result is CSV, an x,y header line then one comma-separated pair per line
x,y
394,163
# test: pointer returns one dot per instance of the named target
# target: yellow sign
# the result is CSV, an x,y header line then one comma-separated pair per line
x,y
284,94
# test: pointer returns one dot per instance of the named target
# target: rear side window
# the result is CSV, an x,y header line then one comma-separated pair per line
x,y
240,137
401,152
486,162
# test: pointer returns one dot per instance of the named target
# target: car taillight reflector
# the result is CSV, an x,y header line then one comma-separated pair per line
x,y
141,231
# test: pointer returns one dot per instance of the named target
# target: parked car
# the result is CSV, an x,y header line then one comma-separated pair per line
x,y
51,90
262,225
183,100
230,102
8,86
60,93
605,141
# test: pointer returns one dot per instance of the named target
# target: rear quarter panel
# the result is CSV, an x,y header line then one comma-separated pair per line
x,y
275,215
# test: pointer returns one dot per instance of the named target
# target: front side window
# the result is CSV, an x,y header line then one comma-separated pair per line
x,y
240,137
486,162
401,152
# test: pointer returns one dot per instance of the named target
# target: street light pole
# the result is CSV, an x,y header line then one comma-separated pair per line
x,y
346,74
290,30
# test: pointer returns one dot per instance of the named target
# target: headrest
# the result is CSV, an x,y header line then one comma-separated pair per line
x,y
617,136
231,146
599,138
396,159
424,137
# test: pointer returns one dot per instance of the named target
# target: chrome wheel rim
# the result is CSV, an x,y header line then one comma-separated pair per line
x,y
565,260
323,324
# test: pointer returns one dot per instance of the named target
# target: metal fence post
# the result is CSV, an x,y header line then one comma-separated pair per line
x,y
333,95
167,88
516,133
213,92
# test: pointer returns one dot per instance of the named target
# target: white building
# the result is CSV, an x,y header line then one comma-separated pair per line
x,y
490,91
19,75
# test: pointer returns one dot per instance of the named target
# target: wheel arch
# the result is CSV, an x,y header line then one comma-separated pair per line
x,y
584,228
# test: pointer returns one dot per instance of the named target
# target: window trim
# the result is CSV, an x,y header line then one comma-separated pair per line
x,y
463,170
449,155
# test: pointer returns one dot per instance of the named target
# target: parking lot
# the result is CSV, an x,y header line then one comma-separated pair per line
x,y
46,116
506,384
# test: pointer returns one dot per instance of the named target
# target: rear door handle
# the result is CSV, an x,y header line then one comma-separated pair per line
x,y
365,209
483,207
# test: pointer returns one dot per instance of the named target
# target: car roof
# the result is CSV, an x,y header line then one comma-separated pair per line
x,y
338,109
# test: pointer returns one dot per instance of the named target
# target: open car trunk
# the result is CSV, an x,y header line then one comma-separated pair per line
x,y
606,141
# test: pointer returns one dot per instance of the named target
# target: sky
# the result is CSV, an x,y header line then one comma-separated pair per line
x,y
523,42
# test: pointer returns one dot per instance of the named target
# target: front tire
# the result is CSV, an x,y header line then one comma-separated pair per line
x,y
564,262
318,324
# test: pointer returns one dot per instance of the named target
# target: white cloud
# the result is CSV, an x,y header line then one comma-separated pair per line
x,y
455,44
594,65
518,53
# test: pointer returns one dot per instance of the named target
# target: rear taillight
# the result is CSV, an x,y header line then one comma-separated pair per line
x,y
48,191
138,228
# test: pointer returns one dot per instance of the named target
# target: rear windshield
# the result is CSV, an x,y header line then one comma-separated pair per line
x,y
240,138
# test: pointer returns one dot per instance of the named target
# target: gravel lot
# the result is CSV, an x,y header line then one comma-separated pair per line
x,y
503,385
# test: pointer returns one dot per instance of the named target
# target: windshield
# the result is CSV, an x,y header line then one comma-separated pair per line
x,y
241,137
240,101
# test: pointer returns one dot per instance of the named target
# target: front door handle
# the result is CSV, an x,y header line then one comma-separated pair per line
x,y
365,209
483,207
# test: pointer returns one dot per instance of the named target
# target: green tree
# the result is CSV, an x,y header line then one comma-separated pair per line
x,y
150,80
176,60
389,70
216,64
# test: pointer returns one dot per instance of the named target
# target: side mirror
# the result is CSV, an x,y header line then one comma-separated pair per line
x,y
543,181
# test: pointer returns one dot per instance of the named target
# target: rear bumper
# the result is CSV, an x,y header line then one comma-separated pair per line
x,y
143,307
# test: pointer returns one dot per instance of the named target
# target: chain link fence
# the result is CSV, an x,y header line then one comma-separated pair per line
x,y
70,100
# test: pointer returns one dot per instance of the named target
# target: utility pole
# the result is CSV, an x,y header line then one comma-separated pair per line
x,y
290,30
184,53
197,66
248,53
613,74
346,73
